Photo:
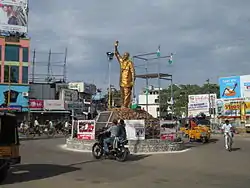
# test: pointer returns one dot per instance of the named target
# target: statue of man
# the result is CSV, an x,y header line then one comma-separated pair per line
x,y
127,76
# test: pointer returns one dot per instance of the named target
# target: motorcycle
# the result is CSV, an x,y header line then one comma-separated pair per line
x,y
120,153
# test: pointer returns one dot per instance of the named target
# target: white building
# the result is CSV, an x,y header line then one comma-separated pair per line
x,y
150,102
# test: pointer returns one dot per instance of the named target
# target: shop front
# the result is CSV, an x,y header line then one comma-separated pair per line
x,y
43,110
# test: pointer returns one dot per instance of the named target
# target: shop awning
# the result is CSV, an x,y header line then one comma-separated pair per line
x,y
54,112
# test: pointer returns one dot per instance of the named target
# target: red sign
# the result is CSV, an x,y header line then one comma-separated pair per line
x,y
35,103
86,129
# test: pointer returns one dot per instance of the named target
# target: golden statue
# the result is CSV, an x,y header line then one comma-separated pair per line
x,y
127,76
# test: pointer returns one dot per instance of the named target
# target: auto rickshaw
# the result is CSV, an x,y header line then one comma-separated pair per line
x,y
9,143
200,129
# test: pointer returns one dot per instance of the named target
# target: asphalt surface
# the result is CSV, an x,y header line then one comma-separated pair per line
x,y
44,164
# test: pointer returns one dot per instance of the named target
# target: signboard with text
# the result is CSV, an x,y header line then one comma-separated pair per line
x,y
54,105
86,129
135,129
36,104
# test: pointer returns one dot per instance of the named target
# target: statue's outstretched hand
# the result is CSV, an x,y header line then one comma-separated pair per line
x,y
116,43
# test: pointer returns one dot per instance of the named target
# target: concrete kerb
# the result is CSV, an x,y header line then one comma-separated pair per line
x,y
64,147
39,138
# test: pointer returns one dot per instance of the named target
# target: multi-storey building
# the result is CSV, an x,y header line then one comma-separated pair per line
x,y
14,84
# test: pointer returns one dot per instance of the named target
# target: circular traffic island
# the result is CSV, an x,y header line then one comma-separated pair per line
x,y
135,146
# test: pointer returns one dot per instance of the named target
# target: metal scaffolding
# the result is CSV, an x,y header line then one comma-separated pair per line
x,y
48,66
147,57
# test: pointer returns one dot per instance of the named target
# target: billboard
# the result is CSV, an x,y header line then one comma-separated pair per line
x,y
203,98
197,108
135,129
16,95
68,95
230,87
86,129
245,85
79,86
14,15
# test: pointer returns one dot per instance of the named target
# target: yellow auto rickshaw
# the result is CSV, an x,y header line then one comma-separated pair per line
x,y
9,143
201,132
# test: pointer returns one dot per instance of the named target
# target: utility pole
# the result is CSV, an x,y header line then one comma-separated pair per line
x,y
110,56
209,101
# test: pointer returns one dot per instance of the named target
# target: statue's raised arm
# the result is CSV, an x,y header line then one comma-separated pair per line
x,y
117,54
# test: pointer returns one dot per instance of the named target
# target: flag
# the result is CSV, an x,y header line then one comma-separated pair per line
x,y
158,52
170,61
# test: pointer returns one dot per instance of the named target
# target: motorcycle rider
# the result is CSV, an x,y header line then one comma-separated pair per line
x,y
114,133
227,130
122,131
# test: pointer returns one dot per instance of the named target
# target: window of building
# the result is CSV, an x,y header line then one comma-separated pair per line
x,y
25,75
12,53
14,74
25,54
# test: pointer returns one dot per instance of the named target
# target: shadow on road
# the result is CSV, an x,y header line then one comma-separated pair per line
x,y
236,149
30,172
136,157
198,144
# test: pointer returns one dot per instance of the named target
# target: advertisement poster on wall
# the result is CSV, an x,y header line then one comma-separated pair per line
x,y
14,15
16,95
197,108
86,129
168,130
68,95
230,87
135,129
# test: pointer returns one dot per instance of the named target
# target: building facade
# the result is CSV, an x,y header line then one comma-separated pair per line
x,y
14,82
149,101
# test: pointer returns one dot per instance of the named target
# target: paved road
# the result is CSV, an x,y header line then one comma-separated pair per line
x,y
46,165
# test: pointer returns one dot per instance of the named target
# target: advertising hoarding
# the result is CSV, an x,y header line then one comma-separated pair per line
x,y
79,86
53,105
245,85
203,98
230,87
18,97
135,129
168,130
14,15
36,104
234,107
197,108
68,95
86,129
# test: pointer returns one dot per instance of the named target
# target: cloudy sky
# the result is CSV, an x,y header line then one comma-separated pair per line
x,y
210,38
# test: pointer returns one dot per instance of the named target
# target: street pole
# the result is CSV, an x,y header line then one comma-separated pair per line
x,y
109,103
146,69
110,56
209,102
9,80
73,123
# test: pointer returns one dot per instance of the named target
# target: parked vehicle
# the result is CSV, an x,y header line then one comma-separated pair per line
x,y
120,153
9,143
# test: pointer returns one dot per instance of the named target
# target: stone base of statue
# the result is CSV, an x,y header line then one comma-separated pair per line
x,y
152,143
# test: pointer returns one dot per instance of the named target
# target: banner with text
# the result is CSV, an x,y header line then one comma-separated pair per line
x,y
86,129
197,108
135,129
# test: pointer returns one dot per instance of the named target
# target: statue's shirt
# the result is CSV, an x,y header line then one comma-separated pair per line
x,y
127,73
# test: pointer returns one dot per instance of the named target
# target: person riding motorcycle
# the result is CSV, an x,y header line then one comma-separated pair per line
x,y
227,129
113,133
122,131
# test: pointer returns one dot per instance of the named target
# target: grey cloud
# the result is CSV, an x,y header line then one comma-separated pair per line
x,y
208,37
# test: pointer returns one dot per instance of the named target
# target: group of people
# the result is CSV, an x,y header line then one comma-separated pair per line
x,y
117,130
8,15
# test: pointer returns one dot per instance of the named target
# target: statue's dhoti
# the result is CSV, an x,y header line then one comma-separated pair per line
x,y
126,93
